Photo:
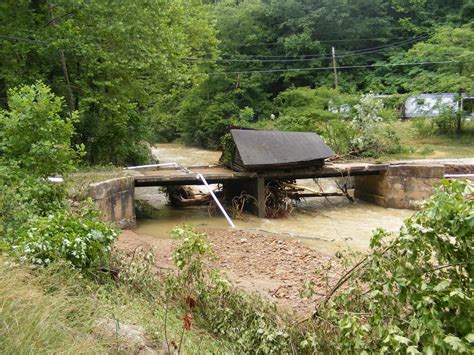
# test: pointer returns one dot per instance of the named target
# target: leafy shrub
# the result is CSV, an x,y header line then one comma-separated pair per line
x,y
251,322
302,109
389,115
23,196
412,293
246,117
82,239
33,134
372,138
445,122
135,269
424,126
338,134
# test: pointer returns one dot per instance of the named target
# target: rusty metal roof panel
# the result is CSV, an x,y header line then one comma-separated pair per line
x,y
277,149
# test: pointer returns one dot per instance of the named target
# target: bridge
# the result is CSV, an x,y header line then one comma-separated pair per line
x,y
221,175
400,184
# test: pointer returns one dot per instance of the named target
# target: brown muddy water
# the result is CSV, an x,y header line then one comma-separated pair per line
x,y
327,225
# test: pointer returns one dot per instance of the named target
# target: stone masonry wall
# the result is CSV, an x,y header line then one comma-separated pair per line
x,y
401,186
116,200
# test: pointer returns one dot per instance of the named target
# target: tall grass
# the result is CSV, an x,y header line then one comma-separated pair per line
x,y
33,322
56,310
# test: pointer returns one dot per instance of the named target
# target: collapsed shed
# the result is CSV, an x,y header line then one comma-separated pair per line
x,y
255,150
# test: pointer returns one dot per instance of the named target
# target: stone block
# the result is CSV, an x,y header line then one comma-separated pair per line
x,y
402,186
116,200
413,170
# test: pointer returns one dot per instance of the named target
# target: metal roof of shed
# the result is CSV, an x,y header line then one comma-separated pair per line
x,y
270,149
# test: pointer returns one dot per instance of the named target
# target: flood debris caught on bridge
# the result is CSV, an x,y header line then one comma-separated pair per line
x,y
258,172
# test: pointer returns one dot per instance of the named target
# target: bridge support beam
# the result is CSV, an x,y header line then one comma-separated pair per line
x,y
254,187
261,208
401,186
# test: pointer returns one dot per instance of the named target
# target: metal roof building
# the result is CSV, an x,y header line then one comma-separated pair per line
x,y
265,150
430,105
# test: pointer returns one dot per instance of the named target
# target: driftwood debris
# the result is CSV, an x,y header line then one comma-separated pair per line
x,y
182,196
297,192
277,202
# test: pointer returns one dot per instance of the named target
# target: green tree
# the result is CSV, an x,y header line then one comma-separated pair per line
x,y
33,135
454,45
110,60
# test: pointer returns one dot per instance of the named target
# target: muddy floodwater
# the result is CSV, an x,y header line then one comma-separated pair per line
x,y
327,225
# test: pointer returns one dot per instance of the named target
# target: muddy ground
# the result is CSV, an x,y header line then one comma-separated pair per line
x,y
275,268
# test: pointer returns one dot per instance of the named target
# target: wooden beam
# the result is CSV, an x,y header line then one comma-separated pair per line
x,y
261,197
165,177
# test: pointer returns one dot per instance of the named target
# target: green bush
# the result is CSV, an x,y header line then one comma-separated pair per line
x,y
445,122
424,126
33,135
23,196
412,293
303,109
372,136
338,134
35,222
81,238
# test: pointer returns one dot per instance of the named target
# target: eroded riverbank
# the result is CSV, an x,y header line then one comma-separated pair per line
x,y
274,268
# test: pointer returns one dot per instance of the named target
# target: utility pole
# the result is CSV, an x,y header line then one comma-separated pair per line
x,y
63,63
334,66
460,104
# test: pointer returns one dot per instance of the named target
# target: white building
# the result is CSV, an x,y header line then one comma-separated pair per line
x,y
430,105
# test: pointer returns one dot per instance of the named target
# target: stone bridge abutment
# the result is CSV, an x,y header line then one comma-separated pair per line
x,y
400,186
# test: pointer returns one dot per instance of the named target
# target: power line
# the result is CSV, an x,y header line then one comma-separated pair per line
x,y
345,54
332,68
22,39
325,41
309,57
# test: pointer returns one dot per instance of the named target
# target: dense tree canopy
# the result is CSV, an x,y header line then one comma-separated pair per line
x,y
110,60
143,70
269,48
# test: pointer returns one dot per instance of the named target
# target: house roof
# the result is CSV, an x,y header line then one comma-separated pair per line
x,y
274,149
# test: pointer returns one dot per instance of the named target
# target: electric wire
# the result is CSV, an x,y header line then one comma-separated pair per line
x,y
331,67
310,57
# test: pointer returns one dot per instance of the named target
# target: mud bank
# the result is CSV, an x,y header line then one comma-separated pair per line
x,y
276,269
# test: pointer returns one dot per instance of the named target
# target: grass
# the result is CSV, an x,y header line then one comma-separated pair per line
x,y
77,183
56,310
419,146
33,321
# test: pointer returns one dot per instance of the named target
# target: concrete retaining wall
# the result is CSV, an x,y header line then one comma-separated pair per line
x,y
116,200
401,186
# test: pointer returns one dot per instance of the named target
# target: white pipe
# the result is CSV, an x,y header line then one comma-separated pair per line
x,y
152,166
458,175
55,179
201,177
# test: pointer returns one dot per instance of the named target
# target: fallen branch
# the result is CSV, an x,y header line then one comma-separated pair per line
x,y
346,278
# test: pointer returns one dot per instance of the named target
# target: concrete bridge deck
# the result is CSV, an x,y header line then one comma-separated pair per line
x,y
219,174
400,184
